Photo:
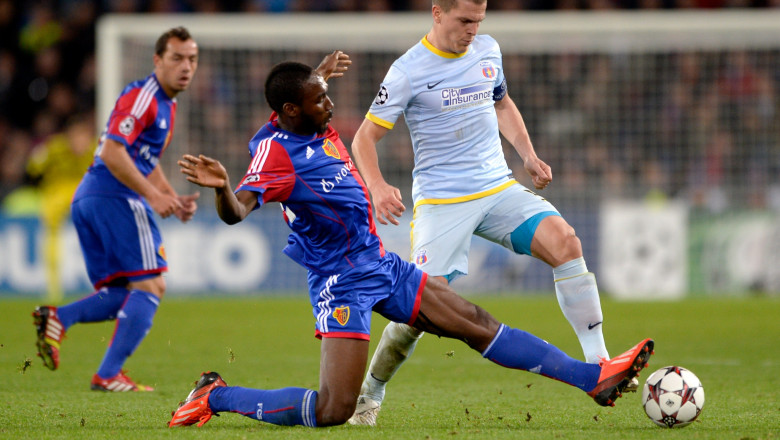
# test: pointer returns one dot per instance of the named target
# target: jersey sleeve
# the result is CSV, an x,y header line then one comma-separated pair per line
x,y
133,112
394,95
270,174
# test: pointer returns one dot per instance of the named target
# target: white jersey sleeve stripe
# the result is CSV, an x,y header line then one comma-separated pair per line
x,y
261,156
253,166
139,98
144,98
147,99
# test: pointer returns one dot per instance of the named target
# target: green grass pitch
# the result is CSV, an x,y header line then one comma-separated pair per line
x,y
445,391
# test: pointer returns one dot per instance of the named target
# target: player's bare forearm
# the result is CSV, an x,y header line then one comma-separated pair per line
x,y
188,202
158,179
228,208
334,65
512,126
123,168
364,152
387,198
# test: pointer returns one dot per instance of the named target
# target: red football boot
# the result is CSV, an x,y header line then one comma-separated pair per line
x,y
195,408
617,373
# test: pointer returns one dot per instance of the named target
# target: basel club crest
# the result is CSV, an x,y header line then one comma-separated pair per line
x,y
342,315
382,96
330,149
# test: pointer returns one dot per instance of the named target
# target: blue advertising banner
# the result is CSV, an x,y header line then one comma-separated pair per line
x,y
206,256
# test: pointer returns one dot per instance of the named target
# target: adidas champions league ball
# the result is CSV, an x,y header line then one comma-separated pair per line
x,y
673,397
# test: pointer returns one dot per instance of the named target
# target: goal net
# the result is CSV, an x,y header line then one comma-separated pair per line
x,y
662,128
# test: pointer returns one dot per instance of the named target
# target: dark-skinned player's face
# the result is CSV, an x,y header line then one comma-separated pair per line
x,y
316,107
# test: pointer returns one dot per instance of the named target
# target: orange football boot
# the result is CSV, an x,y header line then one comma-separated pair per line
x,y
195,408
617,373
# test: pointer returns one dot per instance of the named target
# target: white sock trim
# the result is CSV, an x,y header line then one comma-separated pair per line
x,y
495,338
570,269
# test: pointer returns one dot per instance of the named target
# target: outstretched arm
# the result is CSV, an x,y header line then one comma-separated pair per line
x,y
387,198
512,126
209,173
334,65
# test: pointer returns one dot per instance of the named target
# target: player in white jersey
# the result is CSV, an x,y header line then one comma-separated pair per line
x,y
451,89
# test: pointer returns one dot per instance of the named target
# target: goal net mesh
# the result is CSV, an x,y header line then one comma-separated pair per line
x,y
651,115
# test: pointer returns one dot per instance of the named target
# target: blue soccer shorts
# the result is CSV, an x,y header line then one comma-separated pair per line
x,y
119,239
342,304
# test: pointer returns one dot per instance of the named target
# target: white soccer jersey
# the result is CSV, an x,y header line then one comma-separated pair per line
x,y
447,100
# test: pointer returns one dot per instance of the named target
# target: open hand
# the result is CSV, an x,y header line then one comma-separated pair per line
x,y
334,65
203,171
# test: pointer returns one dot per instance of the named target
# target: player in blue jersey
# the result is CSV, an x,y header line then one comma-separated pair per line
x,y
452,91
113,209
299,160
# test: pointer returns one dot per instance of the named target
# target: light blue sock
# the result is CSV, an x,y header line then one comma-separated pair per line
x,y
133,322
513,348
286,406
100,306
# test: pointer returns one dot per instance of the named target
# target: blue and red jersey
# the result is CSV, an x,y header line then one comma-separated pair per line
x,y
142,120
323,198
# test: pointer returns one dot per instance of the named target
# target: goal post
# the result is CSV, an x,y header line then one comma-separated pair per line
x,y
668,122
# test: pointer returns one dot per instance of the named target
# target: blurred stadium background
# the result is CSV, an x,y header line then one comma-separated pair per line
x,y
659,118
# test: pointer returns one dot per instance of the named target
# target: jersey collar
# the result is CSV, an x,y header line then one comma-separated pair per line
x,y
438,52
273,125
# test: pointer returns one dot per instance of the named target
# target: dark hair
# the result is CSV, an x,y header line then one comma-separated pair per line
x,y
285,84
178,32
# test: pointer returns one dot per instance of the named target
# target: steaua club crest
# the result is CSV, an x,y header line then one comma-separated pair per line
x,y
330,149
342,315
421,257
488,69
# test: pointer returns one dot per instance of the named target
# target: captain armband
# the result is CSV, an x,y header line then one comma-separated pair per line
x,y
500,91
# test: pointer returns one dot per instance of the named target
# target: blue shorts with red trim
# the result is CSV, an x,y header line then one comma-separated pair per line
x,y
119,239
342,304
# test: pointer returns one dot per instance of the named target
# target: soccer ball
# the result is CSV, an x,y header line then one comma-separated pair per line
x,y
673,397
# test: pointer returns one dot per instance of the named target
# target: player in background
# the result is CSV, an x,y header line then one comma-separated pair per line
x,y
60,162
113,209
299,160
452,91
